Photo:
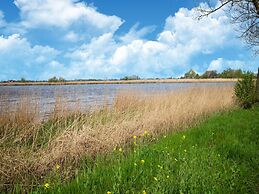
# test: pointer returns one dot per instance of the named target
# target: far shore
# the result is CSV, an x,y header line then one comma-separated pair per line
x,y
142,81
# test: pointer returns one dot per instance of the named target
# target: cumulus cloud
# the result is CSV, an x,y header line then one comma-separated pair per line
x,y
135,33
221,64
20,58
64,13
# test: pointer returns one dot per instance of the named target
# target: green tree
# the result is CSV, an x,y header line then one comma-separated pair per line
x,y
23,79
257,86
245,90
191,75
210,74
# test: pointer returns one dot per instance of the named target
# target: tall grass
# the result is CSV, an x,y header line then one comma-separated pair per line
x,y
30,149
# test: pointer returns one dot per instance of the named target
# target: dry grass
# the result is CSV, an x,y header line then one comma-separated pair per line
x,y
30,149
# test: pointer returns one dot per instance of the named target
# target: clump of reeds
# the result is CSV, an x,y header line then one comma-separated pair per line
x,y
31,149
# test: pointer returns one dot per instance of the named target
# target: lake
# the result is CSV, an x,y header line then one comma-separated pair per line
x,y
87,96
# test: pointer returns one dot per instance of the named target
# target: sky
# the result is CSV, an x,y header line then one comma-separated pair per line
x,y
85,39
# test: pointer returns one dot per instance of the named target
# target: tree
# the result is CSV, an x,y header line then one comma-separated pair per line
x,y
210,74
245,90
257,87
131,77
244,14
231,73
191,75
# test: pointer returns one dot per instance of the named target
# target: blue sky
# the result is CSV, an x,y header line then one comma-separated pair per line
x,y
110,39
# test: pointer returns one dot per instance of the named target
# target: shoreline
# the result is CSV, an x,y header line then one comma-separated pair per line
x,y
216,80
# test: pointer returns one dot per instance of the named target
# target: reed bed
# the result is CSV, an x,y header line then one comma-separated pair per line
x,y
30,149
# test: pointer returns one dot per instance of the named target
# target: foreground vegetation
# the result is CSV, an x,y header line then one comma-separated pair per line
x,y
30,149
218,156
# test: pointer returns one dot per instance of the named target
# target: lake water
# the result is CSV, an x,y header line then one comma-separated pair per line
x,y
88,96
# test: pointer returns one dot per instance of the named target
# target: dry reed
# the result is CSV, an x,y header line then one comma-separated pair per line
x,y
30,149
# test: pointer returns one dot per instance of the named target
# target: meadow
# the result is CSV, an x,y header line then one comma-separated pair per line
x,y
90,146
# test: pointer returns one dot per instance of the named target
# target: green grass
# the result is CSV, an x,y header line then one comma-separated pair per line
x,y
217,156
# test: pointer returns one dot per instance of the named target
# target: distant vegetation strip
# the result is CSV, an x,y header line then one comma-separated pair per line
x,y
141,81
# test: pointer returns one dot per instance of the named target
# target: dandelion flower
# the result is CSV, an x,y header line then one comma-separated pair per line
x,y
46,185
135,137
57,166
145,133
155,179
108,192
164,136
144,192
142,161
185,150
120,150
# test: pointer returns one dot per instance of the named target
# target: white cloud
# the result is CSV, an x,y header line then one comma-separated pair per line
x,y
135,33
221,64
19,56
2,21
64,13
72,37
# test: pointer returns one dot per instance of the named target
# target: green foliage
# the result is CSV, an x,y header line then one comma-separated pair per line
x,y
191,75
231,73
210,74
245,90
218,156
23,79
131,77
55,79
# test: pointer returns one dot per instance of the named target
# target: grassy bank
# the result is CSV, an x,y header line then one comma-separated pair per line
x,y
142,81
31,149
217,156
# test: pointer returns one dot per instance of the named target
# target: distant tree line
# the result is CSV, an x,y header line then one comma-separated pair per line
x,y
228,73
131,77
56,79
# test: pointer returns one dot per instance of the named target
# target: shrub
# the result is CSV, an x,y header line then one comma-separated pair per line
x,y
245,90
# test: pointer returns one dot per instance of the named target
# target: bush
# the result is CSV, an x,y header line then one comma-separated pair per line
x,y
245,90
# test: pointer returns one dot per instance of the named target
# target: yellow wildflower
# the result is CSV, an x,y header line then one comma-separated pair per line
x,y
164,136
144,192
108,192
184,137
135,143
142,161
167,176
57,166
155,179
135,164
185,150
46,185
145,133
135,137
120,150
114,149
